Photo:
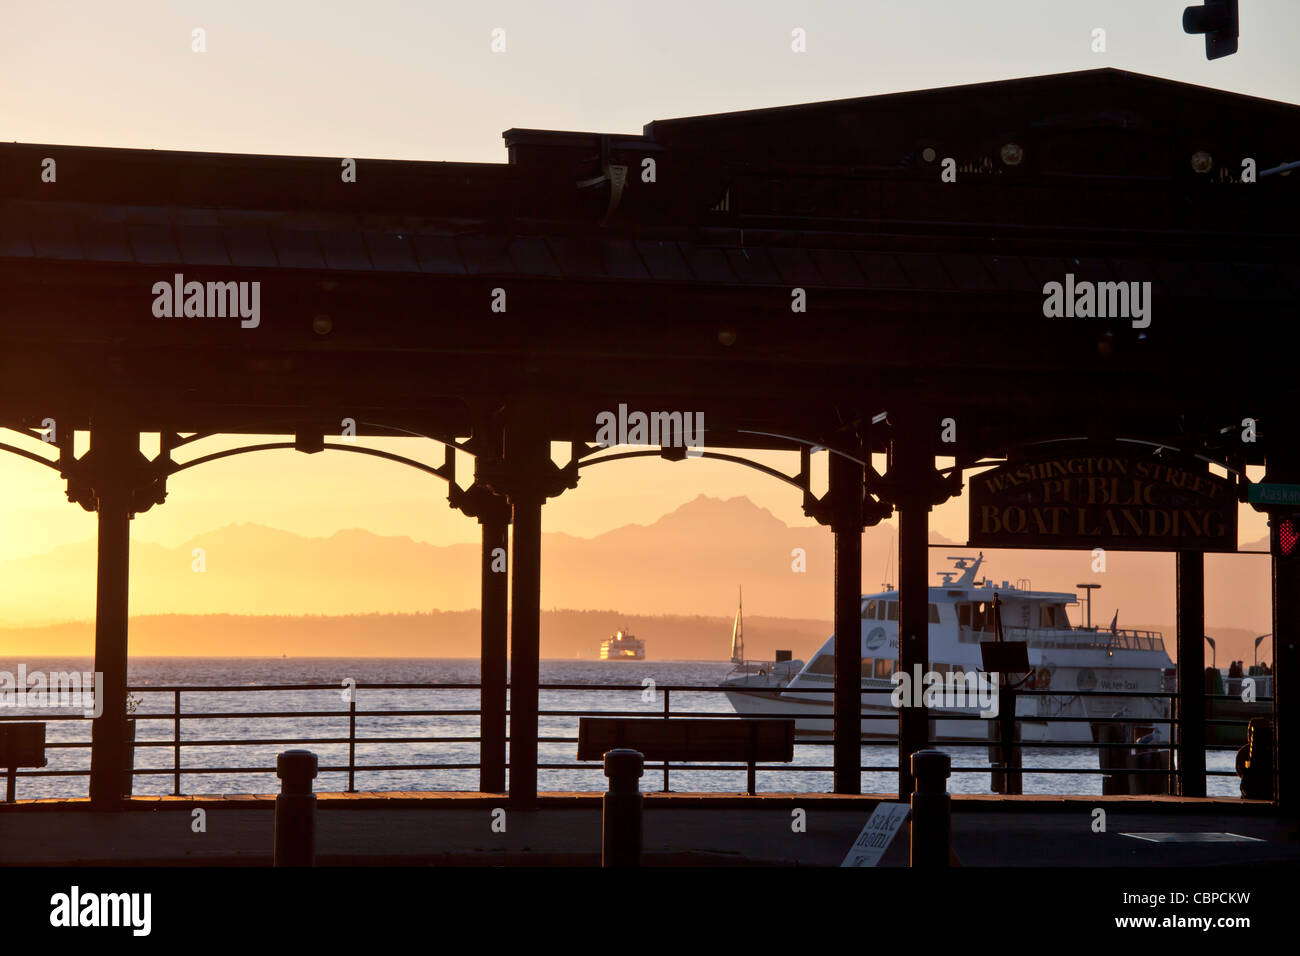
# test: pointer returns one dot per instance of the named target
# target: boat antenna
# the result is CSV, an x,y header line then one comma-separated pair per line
x,y
889,561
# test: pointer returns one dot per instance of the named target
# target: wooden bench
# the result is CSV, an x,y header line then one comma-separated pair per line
x,y
21,745
689,739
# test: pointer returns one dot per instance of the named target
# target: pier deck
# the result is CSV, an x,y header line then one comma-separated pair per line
x,y
407,828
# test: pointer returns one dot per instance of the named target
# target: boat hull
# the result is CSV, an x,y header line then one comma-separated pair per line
x,y
815,718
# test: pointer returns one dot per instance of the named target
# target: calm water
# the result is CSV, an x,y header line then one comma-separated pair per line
x,y
259,759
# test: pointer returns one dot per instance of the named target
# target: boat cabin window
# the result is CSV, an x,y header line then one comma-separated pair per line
x,y
1051,615
882,610
977,616
884,668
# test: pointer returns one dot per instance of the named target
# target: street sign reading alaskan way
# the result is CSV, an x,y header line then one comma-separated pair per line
x,y
1095,499
1273,494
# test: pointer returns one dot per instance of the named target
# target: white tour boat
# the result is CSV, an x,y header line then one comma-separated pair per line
x,y
1064,659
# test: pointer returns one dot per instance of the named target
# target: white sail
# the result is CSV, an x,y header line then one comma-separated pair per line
x,y
738,633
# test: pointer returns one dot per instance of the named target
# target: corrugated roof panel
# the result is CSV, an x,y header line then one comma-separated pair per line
x,y
1010,273
1220,282
391,251
55,239
969,273
202,245
577,257
795,266
249,246
188,216
753,264
344,250
437,255
664,260
532,256
881,270
924,272
1174,278
126,214
1289,272
837,268
14,241
153,243
709,264
1098,270
1046,269
485,255
296,249
1263,280
105,241
622,261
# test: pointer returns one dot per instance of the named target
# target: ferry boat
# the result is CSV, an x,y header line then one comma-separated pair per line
x,y
622,647
1064,659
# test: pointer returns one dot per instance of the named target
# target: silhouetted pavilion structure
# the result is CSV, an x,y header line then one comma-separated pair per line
x,y
500,308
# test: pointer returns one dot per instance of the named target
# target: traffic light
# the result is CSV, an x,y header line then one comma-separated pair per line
x,y
1217,19
1285,532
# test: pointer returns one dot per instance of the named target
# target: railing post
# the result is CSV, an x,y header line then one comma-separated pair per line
x,y
352,741
931,826
1009,755
176,743
666,713
295,809
620,837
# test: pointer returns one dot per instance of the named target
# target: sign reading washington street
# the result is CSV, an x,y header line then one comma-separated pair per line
x,y
1095,499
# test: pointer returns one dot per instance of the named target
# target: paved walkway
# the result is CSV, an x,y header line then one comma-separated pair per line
x,y
419,829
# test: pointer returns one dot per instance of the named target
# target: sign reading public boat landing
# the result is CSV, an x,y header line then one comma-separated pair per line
x,y
1099,500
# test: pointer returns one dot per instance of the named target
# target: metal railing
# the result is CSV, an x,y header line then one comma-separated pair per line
x,y
178,744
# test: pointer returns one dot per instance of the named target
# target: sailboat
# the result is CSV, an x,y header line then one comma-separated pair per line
x,y
738,631
746,673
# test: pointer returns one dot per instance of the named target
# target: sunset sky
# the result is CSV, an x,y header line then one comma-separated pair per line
x,y
417,80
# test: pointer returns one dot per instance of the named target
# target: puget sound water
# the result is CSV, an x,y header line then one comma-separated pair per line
x,y
640,699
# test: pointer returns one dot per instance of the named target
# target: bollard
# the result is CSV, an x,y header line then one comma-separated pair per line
x,y
1147,755
620,838
295,809
931,826
1255,761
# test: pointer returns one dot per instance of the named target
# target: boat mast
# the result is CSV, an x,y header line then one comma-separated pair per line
x,y
738,632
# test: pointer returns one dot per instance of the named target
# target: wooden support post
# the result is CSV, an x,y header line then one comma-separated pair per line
x,y
846,487
494,652
913,630
1191,672
527,460
110,748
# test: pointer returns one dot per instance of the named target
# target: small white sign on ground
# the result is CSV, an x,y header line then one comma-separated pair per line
x,y
876,836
